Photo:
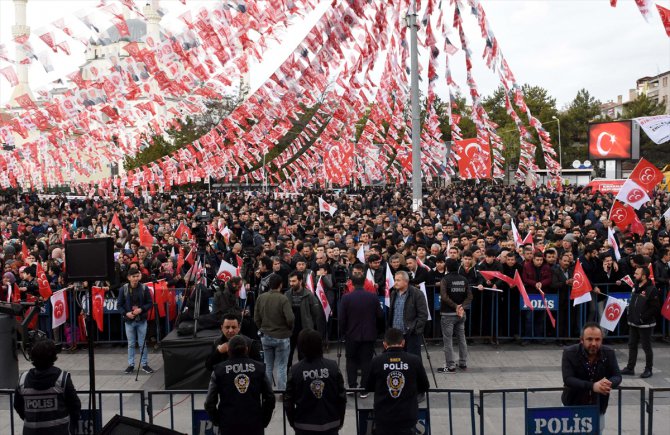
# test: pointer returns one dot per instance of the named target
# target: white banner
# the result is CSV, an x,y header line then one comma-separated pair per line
x,y
656,127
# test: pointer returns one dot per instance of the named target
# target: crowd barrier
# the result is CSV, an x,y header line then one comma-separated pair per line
x,y
497,316
659,409
445,411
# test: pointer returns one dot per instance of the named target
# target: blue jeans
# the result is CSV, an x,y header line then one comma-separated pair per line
x,y
275,352
135,332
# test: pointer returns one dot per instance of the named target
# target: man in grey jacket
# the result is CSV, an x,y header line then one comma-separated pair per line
x,y
408,312
274,317
307,311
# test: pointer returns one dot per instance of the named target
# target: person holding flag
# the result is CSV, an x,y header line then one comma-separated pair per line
x,y
643,308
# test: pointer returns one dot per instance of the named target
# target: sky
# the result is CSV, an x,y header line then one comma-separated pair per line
x,y
561,45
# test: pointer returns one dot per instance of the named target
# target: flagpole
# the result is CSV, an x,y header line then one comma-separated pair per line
x,y
416,122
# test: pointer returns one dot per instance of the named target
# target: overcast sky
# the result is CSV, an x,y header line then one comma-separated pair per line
x,y
561,45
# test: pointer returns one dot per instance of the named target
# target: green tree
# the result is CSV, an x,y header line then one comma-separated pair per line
x,y
190,129
575,121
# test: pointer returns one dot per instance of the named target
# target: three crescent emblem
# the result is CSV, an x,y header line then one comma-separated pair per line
x,y
578,279
612,312
326,206
647,176
59,309
619,215
225,276
635,195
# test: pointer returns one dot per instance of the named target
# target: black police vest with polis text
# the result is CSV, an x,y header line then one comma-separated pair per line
x,y
313,387
45,410
240,385
397,377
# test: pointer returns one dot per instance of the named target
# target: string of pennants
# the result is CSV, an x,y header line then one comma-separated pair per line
x,y
107,115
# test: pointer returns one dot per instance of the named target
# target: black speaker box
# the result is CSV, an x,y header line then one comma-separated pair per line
x,y
89,259
120,425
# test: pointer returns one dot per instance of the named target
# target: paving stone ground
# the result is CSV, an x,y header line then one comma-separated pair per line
x,y
508,366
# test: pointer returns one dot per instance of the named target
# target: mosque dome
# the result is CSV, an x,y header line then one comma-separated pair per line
x,y
137,29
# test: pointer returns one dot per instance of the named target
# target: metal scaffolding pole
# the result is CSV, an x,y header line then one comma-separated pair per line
x,y
416,111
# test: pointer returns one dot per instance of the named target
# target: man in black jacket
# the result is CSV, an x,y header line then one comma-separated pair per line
x,y
315,398
242,392
590,371
45,398
230,327
359,311
397,378
644,306
134,302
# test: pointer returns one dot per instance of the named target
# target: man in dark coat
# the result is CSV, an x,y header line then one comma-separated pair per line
x,y
359,311
590,371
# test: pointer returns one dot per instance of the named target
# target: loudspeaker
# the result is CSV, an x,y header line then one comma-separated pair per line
x,y
89,259
120,425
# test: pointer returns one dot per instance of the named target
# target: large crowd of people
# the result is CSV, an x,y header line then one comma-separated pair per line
x,y
274,233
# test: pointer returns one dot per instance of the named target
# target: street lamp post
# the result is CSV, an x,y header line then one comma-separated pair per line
x,y
560,151
416,122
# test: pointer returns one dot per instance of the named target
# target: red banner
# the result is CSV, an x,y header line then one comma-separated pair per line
x,y
603,185
610,140
474,159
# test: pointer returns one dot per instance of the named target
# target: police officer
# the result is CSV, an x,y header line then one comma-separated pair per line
x,y
45,398
242,391
397,378
315,399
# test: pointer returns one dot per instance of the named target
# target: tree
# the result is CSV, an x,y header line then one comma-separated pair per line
x,y
190,129
642,106
575,121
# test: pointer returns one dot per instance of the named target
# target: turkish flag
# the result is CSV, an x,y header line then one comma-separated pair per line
x,y
58,308
610,140
116,221
665,311
146,239
97,306
522,290
43,283
474,159
622,214
581,284
665,18
24,251
181,229
490,275
633,194
160,292
646,175
180,260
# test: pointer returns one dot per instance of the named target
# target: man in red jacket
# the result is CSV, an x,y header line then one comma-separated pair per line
x,y
536,277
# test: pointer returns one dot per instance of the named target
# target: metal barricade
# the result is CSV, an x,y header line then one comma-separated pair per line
x,y
658,409
130,403
513,404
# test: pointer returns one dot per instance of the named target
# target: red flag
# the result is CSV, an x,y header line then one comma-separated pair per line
x,y
581,284
129,203
665,18
24,251
180,260
97,306
491,275
522,290
181,229
622,214
116,221
146,239
646,175
651,274
151,315
190,258
613,3
16,293
546,307
160,290
43,282
665,311
369,285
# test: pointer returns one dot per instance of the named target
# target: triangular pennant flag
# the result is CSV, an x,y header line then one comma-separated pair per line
x,y
522,290
116,221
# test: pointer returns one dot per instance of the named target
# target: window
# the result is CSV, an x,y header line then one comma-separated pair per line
x,y
665,82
